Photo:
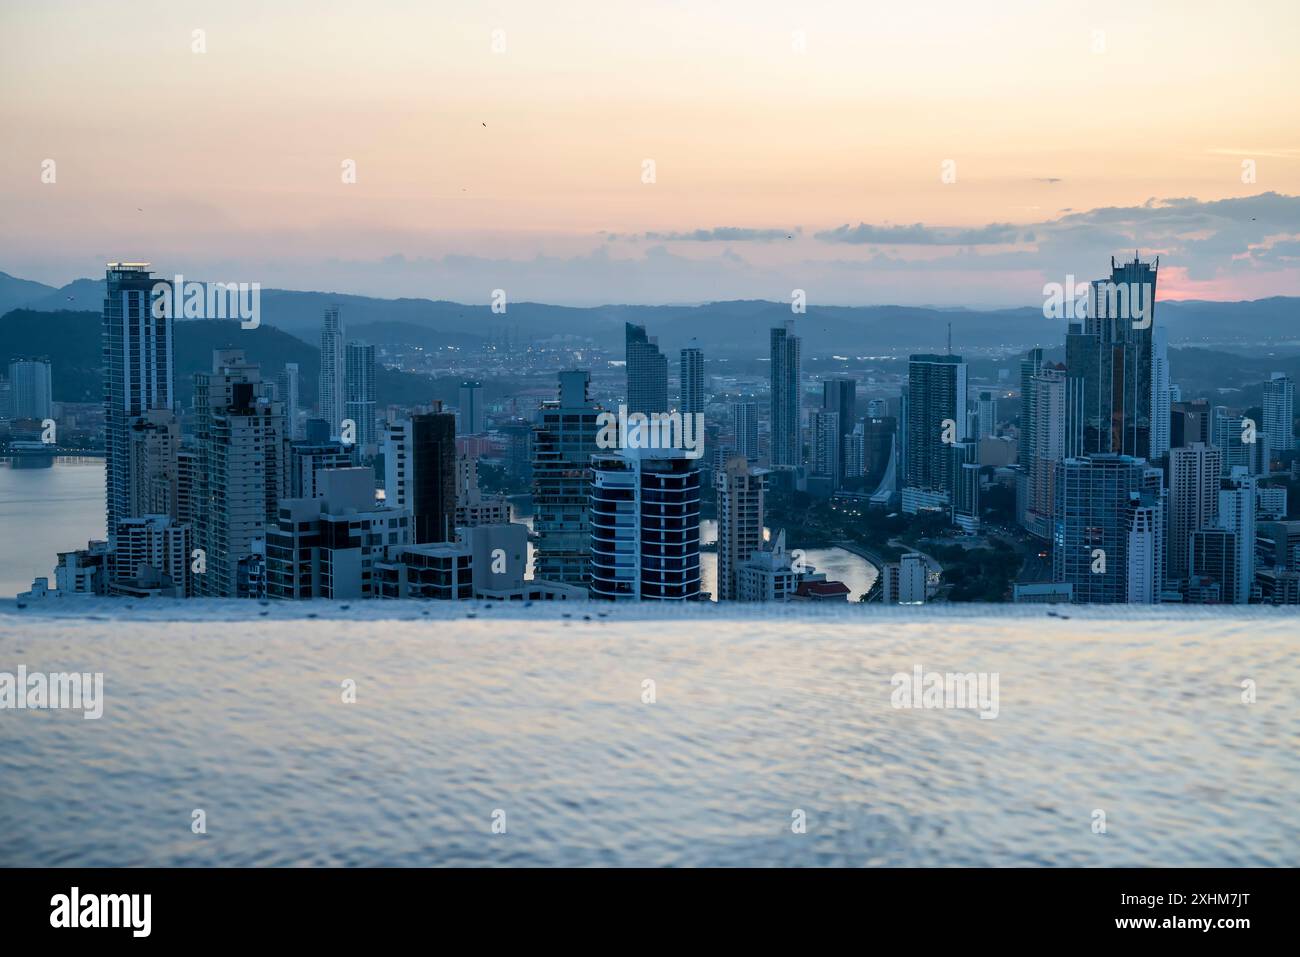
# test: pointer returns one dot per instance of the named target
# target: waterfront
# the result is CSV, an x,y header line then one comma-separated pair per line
x,y
47,506
838,564
59,506
465,710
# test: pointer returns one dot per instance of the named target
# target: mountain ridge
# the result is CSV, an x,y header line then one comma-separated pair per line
x,y
724,327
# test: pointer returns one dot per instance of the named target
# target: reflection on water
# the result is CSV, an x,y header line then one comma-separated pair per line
x,y
754,717
43,511
839,565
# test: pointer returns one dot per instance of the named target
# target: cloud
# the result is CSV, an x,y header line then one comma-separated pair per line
x,y
920,235
739,234
1245,247
1286,251
1210,239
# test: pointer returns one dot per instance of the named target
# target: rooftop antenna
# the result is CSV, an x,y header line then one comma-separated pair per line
x,y
949,338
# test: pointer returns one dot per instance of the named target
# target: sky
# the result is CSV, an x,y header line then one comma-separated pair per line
x,y
605,151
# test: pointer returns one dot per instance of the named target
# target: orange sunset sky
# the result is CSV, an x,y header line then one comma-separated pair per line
x,y
504,144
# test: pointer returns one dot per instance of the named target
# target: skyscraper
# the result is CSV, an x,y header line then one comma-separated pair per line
x,y
645,525
1051,437
1108,509
771,573
327,546
564,440
841,395
139,373
1212,559
744,424
420,473
30,392
187,484
647,372
692,379
1113,352
1189,422
433,467
1237,515
901,451
473,415
966,484
827,460
153,447
1279,412
786,395
854,453
1279,543
1243,445
1161,398
740,487
287,386
331,385
518,435
1144,525
308,461
1029,367
1193,502
904,582
986,416
153,552
359,391
878,437
936,410
243,468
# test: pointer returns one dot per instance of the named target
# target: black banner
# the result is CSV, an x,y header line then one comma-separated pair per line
x,y
927,907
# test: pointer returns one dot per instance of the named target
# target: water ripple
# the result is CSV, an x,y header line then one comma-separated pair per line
x,y
755,719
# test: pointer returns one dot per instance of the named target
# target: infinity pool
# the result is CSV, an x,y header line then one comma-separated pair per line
x,y
486,735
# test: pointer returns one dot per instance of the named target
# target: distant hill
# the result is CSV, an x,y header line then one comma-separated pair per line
x,y
15,293
406,333
1227,377
80,294
735,328
72,342
268,347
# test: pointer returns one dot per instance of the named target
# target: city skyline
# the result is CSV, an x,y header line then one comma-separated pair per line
x,y
648,435
1102,477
